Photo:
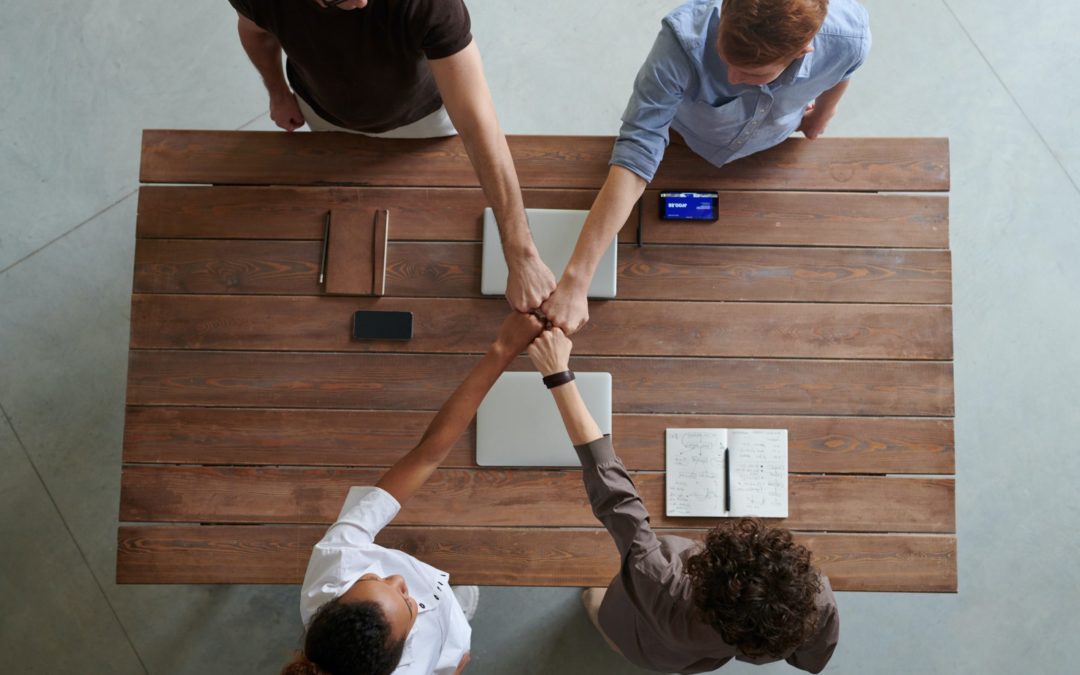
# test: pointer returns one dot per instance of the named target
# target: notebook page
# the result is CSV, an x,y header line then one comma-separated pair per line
x,y
759,472
695,472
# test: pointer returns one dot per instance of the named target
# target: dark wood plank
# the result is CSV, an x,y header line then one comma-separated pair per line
x,y
205,266
272,158
640,385
810,219
440,214
503,556
379,438
625,328
507,498
803,274
417,214
815,444
717,273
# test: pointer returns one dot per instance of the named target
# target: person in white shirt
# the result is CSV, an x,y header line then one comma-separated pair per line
x,y
371,610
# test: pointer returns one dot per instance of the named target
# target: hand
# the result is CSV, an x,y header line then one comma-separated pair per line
x,y
517,331
550,352
567,308
285,111
814,121
530,283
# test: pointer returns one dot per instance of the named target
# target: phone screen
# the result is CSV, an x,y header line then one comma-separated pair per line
x,y
371,325
689,206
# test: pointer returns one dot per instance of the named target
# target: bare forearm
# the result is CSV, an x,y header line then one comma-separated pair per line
x,y
827,101
577,419
264,51
468,101
609,212
490,156
456,414
409,473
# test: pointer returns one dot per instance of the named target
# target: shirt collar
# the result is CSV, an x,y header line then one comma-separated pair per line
x,y
799,69
428,598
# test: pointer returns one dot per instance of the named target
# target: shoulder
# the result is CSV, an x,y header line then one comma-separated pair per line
x,y
844,39
692,23
847,19
430,10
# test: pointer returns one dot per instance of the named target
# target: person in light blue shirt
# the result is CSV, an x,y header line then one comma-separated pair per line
x,y
731,77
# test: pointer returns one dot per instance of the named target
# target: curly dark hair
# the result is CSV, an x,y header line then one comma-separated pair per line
x,y
348,638
756,587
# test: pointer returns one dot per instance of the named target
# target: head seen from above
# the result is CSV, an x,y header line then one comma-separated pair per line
x,y
758,39
362,631
756,587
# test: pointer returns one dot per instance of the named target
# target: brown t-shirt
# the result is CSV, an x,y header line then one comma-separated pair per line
x,y
364,69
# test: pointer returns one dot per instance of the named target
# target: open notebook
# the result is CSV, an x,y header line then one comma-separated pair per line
x,y
756,472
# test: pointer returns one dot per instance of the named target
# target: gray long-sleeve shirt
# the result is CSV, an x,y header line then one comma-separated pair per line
x,y
648,611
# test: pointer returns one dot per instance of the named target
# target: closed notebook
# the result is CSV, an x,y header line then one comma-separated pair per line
x,y
757,471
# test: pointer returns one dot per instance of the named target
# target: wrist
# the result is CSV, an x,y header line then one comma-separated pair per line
x,y
520,251
574,280
278,91
558,379
555,369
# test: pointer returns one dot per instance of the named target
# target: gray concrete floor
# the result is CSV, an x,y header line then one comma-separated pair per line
x,y
81,79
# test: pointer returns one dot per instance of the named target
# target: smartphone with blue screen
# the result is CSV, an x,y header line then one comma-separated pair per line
x,y
700,206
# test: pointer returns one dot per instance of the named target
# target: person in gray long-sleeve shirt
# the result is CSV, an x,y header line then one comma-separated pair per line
x,y
747,592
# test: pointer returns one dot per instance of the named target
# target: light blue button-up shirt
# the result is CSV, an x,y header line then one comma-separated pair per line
x,y
683,85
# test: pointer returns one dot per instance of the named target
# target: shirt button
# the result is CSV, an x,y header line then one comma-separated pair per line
x,y
422,606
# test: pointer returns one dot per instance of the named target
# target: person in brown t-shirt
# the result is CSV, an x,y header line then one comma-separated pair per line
x,y
395,68
748,592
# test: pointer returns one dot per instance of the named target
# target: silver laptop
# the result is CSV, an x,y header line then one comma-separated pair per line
x,y
555,232
518,423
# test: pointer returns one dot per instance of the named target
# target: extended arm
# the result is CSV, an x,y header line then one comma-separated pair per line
x,y
614,498
568,307
468,101
264,50
410,472
664,80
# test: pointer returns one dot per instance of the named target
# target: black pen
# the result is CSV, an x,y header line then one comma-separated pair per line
x,y
325,248
727,483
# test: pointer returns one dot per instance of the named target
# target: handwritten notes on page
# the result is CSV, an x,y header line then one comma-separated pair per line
x,y
758,465
759,468
695,472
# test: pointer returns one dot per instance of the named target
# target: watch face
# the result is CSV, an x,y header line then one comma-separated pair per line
x,y
689,206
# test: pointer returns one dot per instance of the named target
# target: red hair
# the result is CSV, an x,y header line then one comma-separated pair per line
x,y
755,33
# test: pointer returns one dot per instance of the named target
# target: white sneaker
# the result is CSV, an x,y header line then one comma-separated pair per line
x,y
469,598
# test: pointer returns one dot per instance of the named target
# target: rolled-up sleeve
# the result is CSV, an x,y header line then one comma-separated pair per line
x,y
615,500
660,86
366,511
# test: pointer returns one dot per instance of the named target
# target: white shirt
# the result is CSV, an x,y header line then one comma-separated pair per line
x,y
441,635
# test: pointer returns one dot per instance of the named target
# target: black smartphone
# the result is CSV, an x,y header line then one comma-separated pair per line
x,y
371,325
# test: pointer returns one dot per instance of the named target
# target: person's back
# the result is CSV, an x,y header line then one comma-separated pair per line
x,y
748,592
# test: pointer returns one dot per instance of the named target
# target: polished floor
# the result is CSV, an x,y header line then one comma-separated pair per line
x,y
80,80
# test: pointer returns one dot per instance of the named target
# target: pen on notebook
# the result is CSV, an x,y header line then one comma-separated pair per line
x,y
325,248
727,483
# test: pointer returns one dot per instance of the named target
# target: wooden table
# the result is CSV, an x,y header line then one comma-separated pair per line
x,y
818,303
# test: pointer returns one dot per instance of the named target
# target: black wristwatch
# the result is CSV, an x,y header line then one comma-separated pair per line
x,y
557,379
